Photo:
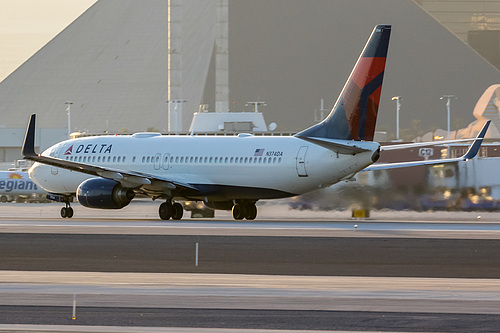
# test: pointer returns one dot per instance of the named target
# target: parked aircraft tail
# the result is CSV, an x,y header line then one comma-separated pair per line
x,y
354,115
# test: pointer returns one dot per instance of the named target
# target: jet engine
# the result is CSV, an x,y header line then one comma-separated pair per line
x,y
103,193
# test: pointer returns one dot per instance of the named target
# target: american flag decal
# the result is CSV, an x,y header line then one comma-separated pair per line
x,y
259,152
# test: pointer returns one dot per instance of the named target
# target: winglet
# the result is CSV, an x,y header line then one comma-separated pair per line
x,y
474,147
28,149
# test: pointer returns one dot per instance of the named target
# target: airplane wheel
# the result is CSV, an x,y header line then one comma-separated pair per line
x,y
238,212
67,212
4,198
251,212
178,211
165,211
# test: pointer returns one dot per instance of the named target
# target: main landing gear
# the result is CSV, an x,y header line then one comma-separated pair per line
x,y
244,210
67,211
169,210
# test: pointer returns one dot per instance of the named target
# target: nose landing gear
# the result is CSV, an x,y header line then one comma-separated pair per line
x,y
169,210
67,211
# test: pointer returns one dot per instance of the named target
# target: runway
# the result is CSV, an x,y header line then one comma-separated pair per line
x,y
247,301
419,273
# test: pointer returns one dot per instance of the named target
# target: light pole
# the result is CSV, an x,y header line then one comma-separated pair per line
x,y
448,107
68,110
398,100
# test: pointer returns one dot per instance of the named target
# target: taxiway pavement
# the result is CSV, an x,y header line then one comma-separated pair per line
x,y
403,272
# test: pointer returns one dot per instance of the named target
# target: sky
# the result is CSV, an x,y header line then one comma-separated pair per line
x,y
27,25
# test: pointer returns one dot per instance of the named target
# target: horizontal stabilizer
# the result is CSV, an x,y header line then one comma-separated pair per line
x,y
337,145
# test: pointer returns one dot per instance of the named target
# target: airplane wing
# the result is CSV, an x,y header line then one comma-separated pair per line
x,y
471,153
421,144
126,177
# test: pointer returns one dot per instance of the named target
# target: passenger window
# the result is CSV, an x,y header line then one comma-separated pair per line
x,y
226,160
206,158
216,159
147,159
231,160
143,159
119,159
182,159
177,159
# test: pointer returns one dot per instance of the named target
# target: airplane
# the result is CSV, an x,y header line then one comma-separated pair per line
x,y
225,172
17,183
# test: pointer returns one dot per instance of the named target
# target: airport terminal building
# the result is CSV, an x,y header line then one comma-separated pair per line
x,y
113,64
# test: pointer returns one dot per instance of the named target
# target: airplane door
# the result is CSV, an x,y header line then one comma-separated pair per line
x,y
166,157
301,162
55,153
157,162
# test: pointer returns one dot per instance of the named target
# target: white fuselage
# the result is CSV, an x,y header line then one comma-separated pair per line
x,y
222,167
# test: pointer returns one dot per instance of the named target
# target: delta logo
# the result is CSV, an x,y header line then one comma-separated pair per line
x,y
69,150
15,176
90,149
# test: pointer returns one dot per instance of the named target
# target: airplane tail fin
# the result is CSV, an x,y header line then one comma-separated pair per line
x,y
354,115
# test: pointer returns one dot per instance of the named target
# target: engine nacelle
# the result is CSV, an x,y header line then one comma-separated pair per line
x,y
103,193
221,205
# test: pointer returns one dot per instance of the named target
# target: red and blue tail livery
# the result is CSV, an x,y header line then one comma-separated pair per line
x,y
354,115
